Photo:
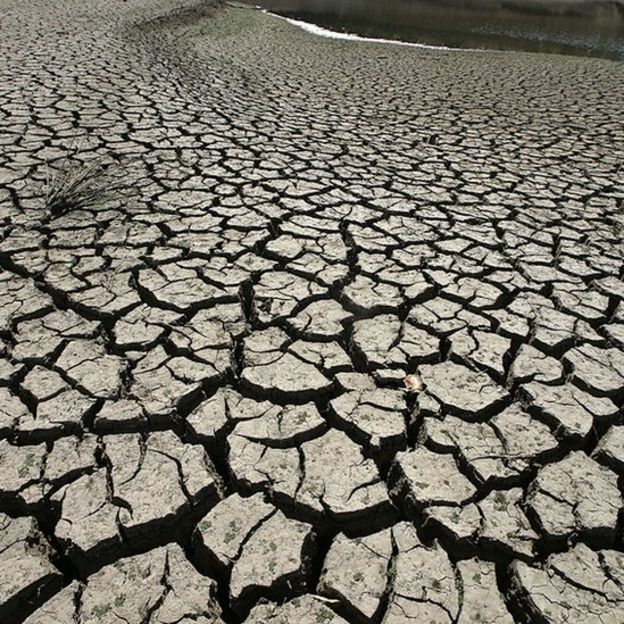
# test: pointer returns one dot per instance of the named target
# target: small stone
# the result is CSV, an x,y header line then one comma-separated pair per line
x,y
414,383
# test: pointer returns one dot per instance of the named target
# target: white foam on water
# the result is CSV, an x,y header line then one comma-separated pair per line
x,y
333,34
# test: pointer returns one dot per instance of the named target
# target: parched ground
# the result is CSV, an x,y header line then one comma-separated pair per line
x,y
203,416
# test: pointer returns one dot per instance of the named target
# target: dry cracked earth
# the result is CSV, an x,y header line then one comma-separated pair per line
x,y
203,408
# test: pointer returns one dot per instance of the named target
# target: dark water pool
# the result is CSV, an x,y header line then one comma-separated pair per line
x,y
589,28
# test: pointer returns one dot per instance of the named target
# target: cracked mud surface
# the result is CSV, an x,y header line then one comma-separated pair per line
x,y
203,414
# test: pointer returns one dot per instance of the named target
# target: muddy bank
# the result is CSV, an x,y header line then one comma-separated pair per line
x,y
577,28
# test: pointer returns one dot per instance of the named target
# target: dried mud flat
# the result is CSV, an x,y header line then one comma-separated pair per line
x,y
202,406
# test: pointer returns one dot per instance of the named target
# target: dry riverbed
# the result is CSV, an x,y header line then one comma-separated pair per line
x,y
225,244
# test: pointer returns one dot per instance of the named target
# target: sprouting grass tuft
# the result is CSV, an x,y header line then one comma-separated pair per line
x,y
77,186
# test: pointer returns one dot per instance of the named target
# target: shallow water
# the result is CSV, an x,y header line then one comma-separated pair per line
x,y
564,26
